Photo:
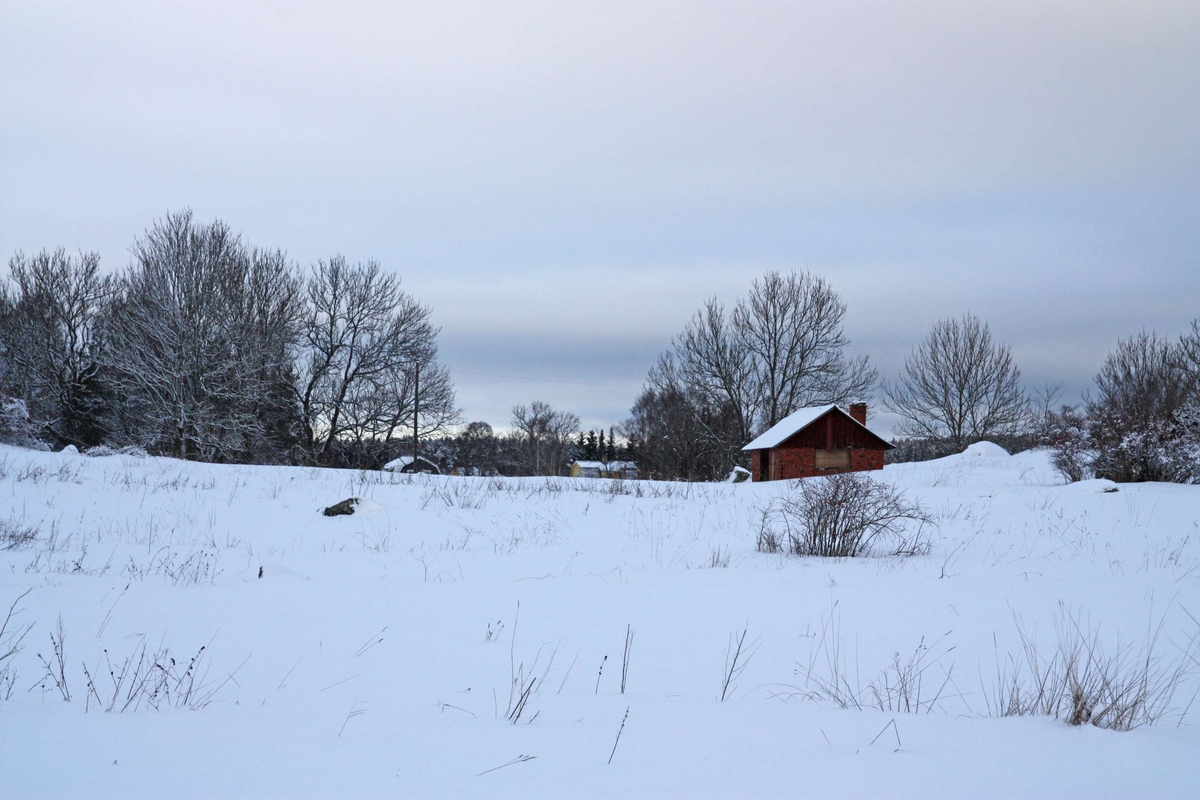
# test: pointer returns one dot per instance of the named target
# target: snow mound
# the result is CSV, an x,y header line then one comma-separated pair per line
x,y
1097,485
274,569
985,450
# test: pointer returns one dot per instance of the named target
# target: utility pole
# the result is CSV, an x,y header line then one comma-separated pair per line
x,y
416,407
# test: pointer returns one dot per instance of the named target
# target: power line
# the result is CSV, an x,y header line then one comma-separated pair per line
x,y
544,380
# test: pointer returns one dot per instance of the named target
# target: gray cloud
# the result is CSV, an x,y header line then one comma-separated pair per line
x,y
565,183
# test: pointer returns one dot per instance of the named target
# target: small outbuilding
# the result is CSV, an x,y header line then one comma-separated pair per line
x,y
587,469
604,469
410,464
822,440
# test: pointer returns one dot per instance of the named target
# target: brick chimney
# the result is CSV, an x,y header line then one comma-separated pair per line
x,y
859,412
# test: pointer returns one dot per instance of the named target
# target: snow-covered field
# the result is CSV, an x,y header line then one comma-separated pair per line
x,y
376,654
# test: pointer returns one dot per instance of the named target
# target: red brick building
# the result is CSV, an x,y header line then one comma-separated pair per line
x,y
817,441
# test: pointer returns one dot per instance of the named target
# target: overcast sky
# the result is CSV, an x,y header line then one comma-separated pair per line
x,y
565,183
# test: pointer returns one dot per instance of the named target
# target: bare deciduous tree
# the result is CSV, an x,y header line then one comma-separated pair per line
x,y
544,434
717,365
206,348
476,449
675,433
792,328
370,363
1189,357
198,340
1141,381
781,348
959,385
47,341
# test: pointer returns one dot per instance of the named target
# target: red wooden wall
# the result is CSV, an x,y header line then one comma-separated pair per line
x,y
796,457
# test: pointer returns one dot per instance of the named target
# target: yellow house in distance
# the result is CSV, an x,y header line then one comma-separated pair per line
x,y
604,469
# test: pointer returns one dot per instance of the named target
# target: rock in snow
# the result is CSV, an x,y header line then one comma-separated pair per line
x,y
344,508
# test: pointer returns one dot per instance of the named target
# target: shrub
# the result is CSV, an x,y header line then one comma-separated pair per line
x,y
153,679
12,636
15,535
902,686
1136,420
769,539
1084,682
15,425
104,450
1066,433
844,515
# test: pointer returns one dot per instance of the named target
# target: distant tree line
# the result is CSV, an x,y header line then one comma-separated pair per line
x,y
210,349
593,447
1139,422
540,441
1142,420
733,373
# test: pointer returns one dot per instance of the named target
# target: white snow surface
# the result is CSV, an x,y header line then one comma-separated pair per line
x,y
375,655
985,450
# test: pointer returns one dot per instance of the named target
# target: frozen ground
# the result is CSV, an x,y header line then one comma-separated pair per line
x,y
376,654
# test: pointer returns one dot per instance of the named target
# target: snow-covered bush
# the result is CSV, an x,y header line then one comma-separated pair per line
x,y
843,515
1128,451
101,450
1067,435
1142,423
1133,427
15,426
1164,450
1183,454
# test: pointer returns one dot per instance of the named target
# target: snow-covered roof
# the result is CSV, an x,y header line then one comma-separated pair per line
x,y
397,464
795,422
607,465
